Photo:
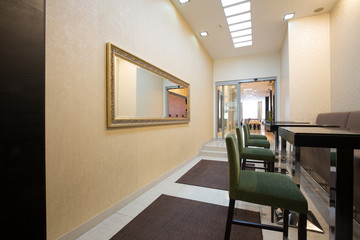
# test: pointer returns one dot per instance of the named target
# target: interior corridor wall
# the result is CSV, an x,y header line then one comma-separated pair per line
x,y
309,67
89,167
345,56
249,67
284,83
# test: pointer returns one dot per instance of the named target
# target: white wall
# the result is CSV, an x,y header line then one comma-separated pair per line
x,y
255,66
345,56
149,93
284,83
309,67
249,67
89,168
125,85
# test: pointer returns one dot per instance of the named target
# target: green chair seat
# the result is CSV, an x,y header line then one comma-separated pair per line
x,y
254,142
258,143
258,154
269,189
257,136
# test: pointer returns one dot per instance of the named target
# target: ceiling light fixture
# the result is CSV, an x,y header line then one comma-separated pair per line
x,y
226,3
243,44
240,26
203,34
239,18
237,9
242,39
183,1
289,16
241,33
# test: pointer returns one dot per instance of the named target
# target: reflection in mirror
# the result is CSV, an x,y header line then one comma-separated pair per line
x,y
141,94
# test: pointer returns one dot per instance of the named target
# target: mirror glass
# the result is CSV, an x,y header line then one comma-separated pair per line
x,y
142,94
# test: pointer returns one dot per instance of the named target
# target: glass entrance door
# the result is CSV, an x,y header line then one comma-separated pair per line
x,y
243,102
227,110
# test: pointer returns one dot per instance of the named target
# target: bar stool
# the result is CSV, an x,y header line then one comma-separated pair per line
x,y
263,188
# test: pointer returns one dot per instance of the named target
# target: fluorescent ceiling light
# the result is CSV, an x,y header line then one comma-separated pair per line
x,y
242,39
241,33
204,34
289,16
239,18
243,44
184,1
237,9
240,26
226,3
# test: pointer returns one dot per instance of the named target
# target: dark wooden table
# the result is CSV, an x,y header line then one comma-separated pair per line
x,y
274,126
345,142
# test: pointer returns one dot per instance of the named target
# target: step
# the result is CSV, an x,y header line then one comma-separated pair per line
x,y
213,153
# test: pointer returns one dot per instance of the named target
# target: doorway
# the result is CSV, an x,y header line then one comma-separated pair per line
x,y
238,102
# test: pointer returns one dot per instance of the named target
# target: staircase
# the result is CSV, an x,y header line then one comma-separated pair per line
x,y
214,148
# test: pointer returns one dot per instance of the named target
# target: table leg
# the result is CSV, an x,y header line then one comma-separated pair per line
x,y
276,142
283,150
295,168
344,194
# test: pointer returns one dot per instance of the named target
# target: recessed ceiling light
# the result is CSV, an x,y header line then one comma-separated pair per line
x,y
241,33
184,1
226,3
240,26
204,34
239,18
289,16
242,39
243,44
237,9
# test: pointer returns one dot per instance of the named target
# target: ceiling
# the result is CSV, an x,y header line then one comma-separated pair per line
x,y
268,26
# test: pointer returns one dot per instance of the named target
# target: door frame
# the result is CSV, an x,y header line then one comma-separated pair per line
x,y
238,82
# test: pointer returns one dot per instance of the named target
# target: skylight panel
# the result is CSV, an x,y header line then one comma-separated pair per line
x,y
243,44
237,9
241,33
226,3
242,39
240,26
239,18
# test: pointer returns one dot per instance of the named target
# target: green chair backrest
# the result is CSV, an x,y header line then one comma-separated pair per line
x,y
246,133
234,162
240,139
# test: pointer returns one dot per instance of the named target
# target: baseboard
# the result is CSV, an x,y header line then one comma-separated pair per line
x,y
83,228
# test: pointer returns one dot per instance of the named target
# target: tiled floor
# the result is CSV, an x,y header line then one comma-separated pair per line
x,y
109,227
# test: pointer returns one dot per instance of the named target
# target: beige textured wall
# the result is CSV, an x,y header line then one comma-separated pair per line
x,y
284,83
89,167
309,67
345,56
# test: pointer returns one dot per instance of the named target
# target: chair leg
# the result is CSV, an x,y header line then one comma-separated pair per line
x,y
229,218
272,214
286,223
243,164
272,166
302,226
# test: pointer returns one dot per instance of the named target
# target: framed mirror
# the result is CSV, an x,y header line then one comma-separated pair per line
x,y
139,93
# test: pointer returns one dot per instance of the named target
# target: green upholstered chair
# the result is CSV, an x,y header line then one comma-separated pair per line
x,y
260,155
254,136
263,188
254,142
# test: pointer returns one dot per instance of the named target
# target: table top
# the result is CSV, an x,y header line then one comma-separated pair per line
x,y
321,137
273,126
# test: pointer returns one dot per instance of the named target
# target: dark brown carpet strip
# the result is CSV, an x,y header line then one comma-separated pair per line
x,y
208,173
172,218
